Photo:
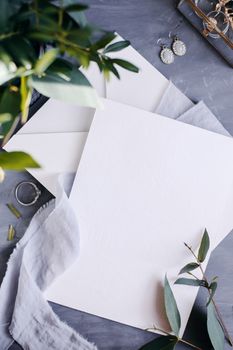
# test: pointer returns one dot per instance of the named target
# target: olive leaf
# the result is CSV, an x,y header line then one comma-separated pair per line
x,y
125,64
5,118
161,343
215,330
45,61
17,161
213,287
103,41
26,94
71,86
75,7
171,308
189,267
204,247
117,46
191,282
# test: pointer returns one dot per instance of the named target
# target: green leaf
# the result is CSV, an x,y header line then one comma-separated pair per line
x,y
213,288
103,41
161,343
17,161
118,46
70,86
126,65
9,103
214,329
26,94
109,65
75,7
45,61
21,50
189,267
5,118
79,17
171,308
41,36
204,247
191,282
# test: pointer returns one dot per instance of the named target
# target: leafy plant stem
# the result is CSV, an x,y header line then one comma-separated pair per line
x,y
191,274
8,35
178,339
36,13
226,333
61,12
189,344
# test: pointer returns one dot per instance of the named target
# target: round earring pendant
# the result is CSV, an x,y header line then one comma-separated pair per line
x,y
179,48
167,55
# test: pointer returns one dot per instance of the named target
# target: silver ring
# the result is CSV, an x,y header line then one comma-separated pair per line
x,y
23,184
217,36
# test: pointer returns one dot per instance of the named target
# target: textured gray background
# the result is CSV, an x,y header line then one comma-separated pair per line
x,y
202,75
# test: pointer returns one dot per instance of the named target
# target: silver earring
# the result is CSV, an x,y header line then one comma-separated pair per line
x,y
179,47
166,55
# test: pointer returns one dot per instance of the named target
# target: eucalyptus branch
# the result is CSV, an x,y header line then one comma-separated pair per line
x,y
226,333
181,340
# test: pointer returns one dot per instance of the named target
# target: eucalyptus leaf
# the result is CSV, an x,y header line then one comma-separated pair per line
x,y
45,61
214,328
171,308
17,161
189,267
161,343
126,65
204,247
118,46
73,87
212,288
191,282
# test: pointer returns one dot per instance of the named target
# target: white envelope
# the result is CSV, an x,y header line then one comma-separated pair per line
x,y
145,185
142,90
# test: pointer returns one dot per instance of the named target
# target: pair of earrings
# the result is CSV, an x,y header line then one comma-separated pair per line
x,y
178,48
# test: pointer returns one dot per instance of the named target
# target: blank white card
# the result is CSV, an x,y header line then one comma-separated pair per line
x,y
145,185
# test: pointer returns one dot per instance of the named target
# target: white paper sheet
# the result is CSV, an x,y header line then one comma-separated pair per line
x,y
56,153
145,185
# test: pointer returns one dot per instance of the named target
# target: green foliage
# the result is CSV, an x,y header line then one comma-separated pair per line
x,y
204,247
214,328
42,45
171,308
191,282
161,343
17,161
189,267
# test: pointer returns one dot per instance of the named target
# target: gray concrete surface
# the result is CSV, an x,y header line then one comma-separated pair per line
x,y
203,75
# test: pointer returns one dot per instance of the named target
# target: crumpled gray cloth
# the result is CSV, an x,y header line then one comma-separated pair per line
x,y
49,246
174,104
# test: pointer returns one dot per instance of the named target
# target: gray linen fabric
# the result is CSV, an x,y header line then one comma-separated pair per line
x,y
51,244
174,104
